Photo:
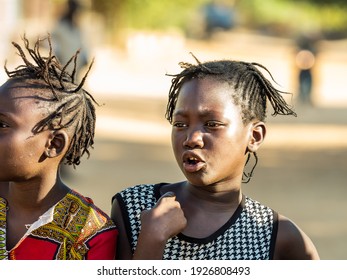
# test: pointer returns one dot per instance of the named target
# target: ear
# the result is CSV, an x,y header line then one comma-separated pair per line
x,y
258,131
57,144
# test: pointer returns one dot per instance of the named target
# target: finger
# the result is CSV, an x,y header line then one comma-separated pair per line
x,y
168,196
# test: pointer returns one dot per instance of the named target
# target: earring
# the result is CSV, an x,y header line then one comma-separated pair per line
x,y
246,177
48,153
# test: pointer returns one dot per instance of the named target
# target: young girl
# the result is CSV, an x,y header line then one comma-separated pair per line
x,y
46,120
217,111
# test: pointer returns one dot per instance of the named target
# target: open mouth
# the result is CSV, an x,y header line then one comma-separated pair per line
x,y
192,160
192,163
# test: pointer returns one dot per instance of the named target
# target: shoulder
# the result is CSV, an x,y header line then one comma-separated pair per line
x,y
141,190
85,206
134,199
256,208
292,243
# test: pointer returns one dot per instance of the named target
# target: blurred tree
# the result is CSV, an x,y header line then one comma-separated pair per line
x,y
288,17
279,17
114,16
146,14
324,2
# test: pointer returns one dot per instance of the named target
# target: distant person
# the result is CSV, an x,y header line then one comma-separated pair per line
x,y
217,111
217,16
47,119
305,61
67,36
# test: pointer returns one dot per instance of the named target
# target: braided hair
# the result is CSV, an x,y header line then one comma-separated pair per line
x,y
70,106
252,89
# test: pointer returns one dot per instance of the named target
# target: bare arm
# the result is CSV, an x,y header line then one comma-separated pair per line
x,y
123,245
158,224
292,243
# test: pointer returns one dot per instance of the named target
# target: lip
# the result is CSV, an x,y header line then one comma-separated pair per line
x,y
192,162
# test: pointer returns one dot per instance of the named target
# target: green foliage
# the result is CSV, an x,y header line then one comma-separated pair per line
x,y
161,14
321,3
287,17
149,14
282,17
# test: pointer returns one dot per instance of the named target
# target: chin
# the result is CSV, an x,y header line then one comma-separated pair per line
x,y
198,180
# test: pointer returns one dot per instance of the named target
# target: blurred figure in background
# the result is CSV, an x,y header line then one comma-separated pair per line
x,y
305,60
67,36
217,15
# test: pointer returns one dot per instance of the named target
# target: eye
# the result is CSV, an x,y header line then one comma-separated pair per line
x,y
179,124
3,125
213,124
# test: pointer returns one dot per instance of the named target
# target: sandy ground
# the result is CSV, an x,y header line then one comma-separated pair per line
x,y
302,171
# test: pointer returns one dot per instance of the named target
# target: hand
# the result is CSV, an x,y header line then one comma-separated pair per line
x,y
164,220
158,224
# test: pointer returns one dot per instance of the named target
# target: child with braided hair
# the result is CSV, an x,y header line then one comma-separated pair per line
x,y
217,110
47,119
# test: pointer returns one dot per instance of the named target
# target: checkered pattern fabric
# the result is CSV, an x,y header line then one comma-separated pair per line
x,y
248,235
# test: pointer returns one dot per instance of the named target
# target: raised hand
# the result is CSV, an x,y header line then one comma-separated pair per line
x,y
158,224
165,219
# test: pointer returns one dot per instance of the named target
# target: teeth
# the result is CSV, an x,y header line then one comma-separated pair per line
x,y
192,160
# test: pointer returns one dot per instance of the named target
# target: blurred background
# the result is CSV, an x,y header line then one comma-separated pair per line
x,y
302,171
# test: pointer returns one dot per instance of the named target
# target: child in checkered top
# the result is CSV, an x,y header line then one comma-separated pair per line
x,y
217,110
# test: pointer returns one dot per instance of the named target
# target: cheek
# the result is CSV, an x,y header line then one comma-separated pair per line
x,y
177,140
239,137
28,150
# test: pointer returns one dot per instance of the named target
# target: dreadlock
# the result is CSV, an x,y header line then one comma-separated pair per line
x,y
252,89
73,106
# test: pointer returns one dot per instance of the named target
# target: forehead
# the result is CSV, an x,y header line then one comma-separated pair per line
x,y
21,88
16,94
207,90
207,97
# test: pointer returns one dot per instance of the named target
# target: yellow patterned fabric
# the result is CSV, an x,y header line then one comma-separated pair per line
x,y
3,210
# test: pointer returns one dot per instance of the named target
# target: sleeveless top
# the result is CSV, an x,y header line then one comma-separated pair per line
x,y
250,234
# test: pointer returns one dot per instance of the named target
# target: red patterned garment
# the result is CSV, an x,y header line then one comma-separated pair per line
x,y
74,229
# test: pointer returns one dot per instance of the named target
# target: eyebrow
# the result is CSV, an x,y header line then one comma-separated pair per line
x,y
6,116
202,113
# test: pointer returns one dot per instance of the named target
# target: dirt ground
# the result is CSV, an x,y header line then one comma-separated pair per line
x,y
302,171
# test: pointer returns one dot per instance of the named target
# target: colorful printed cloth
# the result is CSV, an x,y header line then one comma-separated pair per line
x,y
74,229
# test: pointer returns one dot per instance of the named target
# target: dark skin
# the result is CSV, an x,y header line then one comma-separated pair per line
x,y
29,163
204,124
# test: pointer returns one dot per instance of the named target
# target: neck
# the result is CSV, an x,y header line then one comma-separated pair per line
x,y
214,198
33,195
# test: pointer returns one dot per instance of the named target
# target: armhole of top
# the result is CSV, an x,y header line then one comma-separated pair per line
x,y
125,217
156,190
273,235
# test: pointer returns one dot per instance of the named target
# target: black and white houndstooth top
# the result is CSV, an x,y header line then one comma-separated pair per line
x,y
250,234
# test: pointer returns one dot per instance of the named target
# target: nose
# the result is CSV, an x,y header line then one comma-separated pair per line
x,y
194,139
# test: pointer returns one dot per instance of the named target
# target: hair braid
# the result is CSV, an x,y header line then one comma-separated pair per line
x,y
252,89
